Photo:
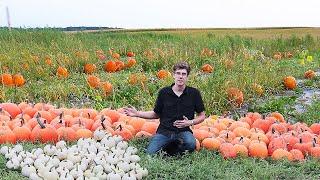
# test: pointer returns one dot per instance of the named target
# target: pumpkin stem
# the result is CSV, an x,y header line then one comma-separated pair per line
x,y
39,122
60,117
314,140
89,115
273,130
241,139
120,126
300,140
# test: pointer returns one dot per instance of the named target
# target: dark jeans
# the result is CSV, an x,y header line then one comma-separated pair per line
x,y
159,141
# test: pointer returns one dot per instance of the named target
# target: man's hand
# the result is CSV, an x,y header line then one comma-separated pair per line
x,y
183,123
130,111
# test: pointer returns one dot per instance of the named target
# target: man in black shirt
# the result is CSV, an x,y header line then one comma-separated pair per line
x,y
175,106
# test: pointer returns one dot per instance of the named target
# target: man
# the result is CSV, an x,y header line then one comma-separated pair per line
x,y
175,106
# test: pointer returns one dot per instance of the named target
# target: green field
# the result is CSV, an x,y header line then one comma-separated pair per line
x,y
24,51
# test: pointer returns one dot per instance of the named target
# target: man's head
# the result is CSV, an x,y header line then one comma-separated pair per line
x,y
182,65
181,71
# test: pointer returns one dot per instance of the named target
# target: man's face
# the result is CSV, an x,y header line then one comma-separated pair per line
x,y
180,77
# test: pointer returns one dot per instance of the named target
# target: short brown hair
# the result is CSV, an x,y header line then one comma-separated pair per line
x,y
182,65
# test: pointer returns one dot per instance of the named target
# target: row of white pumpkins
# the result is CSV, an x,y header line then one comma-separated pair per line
x,y
103,157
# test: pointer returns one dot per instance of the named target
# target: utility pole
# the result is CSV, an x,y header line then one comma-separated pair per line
x,y
8,18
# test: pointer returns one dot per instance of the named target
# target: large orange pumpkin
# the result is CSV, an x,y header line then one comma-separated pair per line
x,y
290,82
207,68
90,68
110,66
6,79
62,72
18,80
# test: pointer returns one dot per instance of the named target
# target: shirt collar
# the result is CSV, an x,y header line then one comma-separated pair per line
x,y
185,91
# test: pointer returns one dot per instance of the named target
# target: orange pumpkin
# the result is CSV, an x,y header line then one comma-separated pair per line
x,y
107,88
290,82
309,74
207,68
110,66
131,62
18,80
116,55
83,133
44,133
162,74
11,108
62,72
93,81
235,96
89,68
130,54
6,79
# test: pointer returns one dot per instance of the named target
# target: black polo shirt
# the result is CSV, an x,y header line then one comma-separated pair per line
x,y
171,107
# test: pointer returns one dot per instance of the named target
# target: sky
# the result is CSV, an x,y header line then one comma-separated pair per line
x,y
135,14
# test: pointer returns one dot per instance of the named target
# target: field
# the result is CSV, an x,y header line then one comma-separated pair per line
x,y
241,58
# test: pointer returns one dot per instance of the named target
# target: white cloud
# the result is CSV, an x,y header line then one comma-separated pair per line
x,y
161,13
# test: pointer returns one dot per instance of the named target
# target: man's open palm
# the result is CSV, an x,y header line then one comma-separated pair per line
x,y
130,111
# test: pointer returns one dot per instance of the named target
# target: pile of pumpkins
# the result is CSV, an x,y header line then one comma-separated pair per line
x,y
46,123
257,136
102,157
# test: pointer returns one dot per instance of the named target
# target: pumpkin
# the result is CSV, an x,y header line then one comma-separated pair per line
x,y
124,132
11,108
6,79
130,54
235,96
290,82
22,132
258,149
110,66
131,62
93,81
211,143
83,133
288,55
241,150
62,72
6,135
143,134
207,68
279,117
44,133
119,65
116,55
315,127
206,52
67,134
47,60
18,80
162,74
282,154
277,56
107,88
297,155
89,68
309,74
227,150
101,56
150,127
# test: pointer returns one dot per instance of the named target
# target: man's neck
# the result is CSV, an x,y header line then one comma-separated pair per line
x,y
178,88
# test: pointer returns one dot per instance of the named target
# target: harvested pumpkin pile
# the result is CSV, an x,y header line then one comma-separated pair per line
x,y
102,157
